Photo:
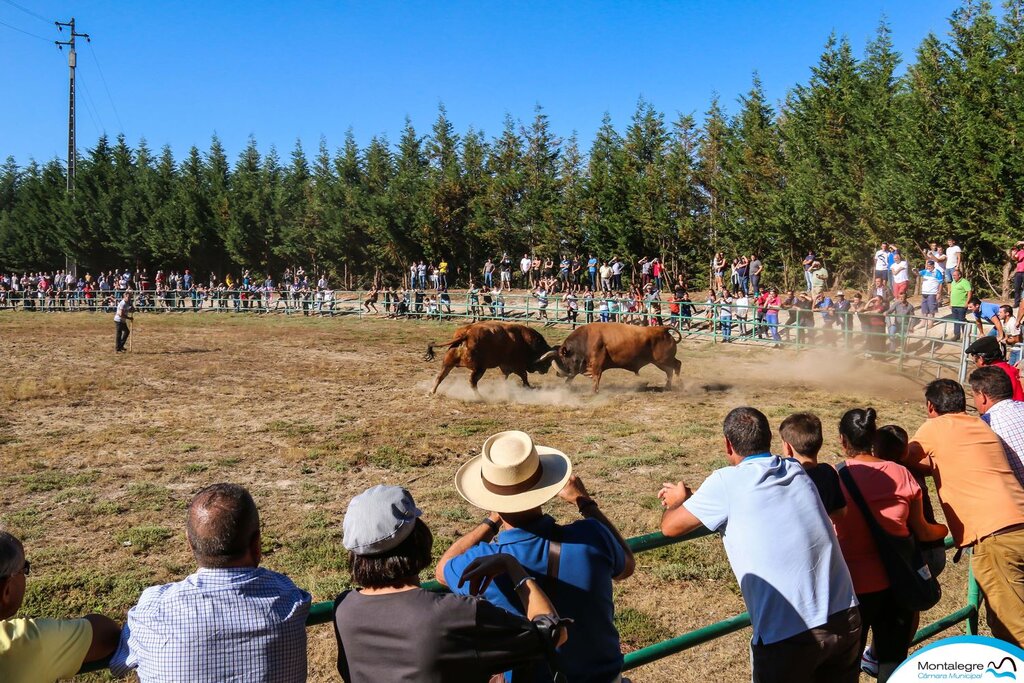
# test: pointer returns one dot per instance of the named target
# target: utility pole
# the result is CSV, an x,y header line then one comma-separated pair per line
x,y
72,148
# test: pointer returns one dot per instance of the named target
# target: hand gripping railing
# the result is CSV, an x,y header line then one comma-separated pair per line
x,y
322,612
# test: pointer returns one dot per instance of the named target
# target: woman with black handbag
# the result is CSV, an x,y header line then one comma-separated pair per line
x,y
889,494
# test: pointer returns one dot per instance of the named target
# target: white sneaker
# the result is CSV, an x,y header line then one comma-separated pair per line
x,y
868,662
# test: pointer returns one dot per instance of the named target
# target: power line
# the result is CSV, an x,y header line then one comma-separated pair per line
x,y
27,33
103,78
28,11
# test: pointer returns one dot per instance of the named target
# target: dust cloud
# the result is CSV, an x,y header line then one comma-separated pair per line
x,y
494,389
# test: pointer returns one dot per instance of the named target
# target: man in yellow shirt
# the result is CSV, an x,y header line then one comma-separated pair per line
x,y
981,498
43,650
442,270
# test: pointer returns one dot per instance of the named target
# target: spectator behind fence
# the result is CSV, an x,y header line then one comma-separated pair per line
x,y
982,500
43,650
784,552
231,620
988,352
514,478
801,440
390,629
895,499
993,397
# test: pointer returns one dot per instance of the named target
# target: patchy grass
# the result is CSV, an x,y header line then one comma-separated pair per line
x,y
309,412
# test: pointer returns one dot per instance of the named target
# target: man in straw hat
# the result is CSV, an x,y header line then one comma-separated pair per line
x,y
513,478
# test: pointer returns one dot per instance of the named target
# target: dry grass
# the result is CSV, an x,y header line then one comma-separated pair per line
x,y
101,452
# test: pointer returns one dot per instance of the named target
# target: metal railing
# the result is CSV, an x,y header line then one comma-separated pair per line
x,y
323,612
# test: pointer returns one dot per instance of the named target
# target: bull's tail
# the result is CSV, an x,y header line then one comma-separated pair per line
x,y
429,355
675,334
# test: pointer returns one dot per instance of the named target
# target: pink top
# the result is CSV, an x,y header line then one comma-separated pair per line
x,y
1019,255
888,488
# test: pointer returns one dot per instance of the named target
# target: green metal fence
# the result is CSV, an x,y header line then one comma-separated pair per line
x,y
322,613
917,345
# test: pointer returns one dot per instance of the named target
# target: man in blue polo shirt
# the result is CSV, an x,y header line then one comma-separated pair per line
x,y
793,577
574,563
984,311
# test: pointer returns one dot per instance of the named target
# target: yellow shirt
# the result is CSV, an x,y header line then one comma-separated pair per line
x,y
42,650
979,493
442,267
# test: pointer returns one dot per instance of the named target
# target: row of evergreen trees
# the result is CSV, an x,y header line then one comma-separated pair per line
x,y
863,152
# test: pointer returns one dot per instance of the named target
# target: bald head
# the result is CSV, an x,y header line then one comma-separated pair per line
x,y
223,527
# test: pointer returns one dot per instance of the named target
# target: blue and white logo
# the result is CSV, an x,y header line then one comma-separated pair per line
x,y
963,658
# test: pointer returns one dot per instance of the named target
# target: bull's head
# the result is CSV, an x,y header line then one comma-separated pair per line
x,y
567,363
543,362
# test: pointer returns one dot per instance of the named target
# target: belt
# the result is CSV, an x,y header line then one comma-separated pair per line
x,y
1005,530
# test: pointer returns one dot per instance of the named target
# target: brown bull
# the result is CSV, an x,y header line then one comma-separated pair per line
x,y
514,348
594,348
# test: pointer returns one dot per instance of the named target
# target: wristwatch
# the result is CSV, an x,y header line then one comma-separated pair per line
x,y
495,527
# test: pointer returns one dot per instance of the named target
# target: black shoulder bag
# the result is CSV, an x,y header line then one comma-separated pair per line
x,y
913,586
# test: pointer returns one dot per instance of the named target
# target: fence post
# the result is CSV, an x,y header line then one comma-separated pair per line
x,y
962,373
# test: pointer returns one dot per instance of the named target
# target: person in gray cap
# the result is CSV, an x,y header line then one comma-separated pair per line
x,y
391,629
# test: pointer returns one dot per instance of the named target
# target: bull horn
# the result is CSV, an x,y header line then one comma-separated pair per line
x,y
550,355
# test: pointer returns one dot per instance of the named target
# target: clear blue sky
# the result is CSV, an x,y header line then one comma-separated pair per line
x,y
178,71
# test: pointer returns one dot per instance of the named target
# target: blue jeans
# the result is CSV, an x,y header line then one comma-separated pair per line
x,y
727,328
772,318
743,283
960,315
808,280
489,279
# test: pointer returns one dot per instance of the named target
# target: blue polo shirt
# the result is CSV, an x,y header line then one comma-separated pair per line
x,y
987,311
590,558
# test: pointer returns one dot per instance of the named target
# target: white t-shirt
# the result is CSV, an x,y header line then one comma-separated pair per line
x,y
899,272
930,281
524,265
616,268
122,311
742,305
881,260
793,578
953,256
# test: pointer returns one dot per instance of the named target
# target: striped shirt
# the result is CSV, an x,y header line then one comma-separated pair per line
x,y
217,626
1006,419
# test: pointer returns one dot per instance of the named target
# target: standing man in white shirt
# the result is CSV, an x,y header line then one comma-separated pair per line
x,y
900,275
121,318
954,256
525,265
882,262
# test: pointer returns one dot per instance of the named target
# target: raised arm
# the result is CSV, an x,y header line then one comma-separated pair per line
x,y
481,533
576,493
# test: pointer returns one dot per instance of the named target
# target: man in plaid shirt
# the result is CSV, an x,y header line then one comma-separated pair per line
x,y
229,621
993,393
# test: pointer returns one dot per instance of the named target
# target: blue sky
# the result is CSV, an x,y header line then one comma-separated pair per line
x,y
176,72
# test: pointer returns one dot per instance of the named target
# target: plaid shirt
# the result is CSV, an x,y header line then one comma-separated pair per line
x,y
217,625
1006,419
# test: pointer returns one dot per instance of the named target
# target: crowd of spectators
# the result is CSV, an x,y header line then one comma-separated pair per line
x,y
532,599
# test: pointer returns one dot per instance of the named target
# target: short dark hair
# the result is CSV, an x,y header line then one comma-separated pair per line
x,y
748,431
1007,308
857,426
890,443
974,300
802,431
12,553
991,381
221,524
396,566
946,396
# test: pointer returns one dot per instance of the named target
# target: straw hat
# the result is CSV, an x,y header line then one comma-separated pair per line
x,y
512,474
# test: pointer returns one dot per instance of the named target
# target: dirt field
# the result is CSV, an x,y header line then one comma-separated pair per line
x,y
100,452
